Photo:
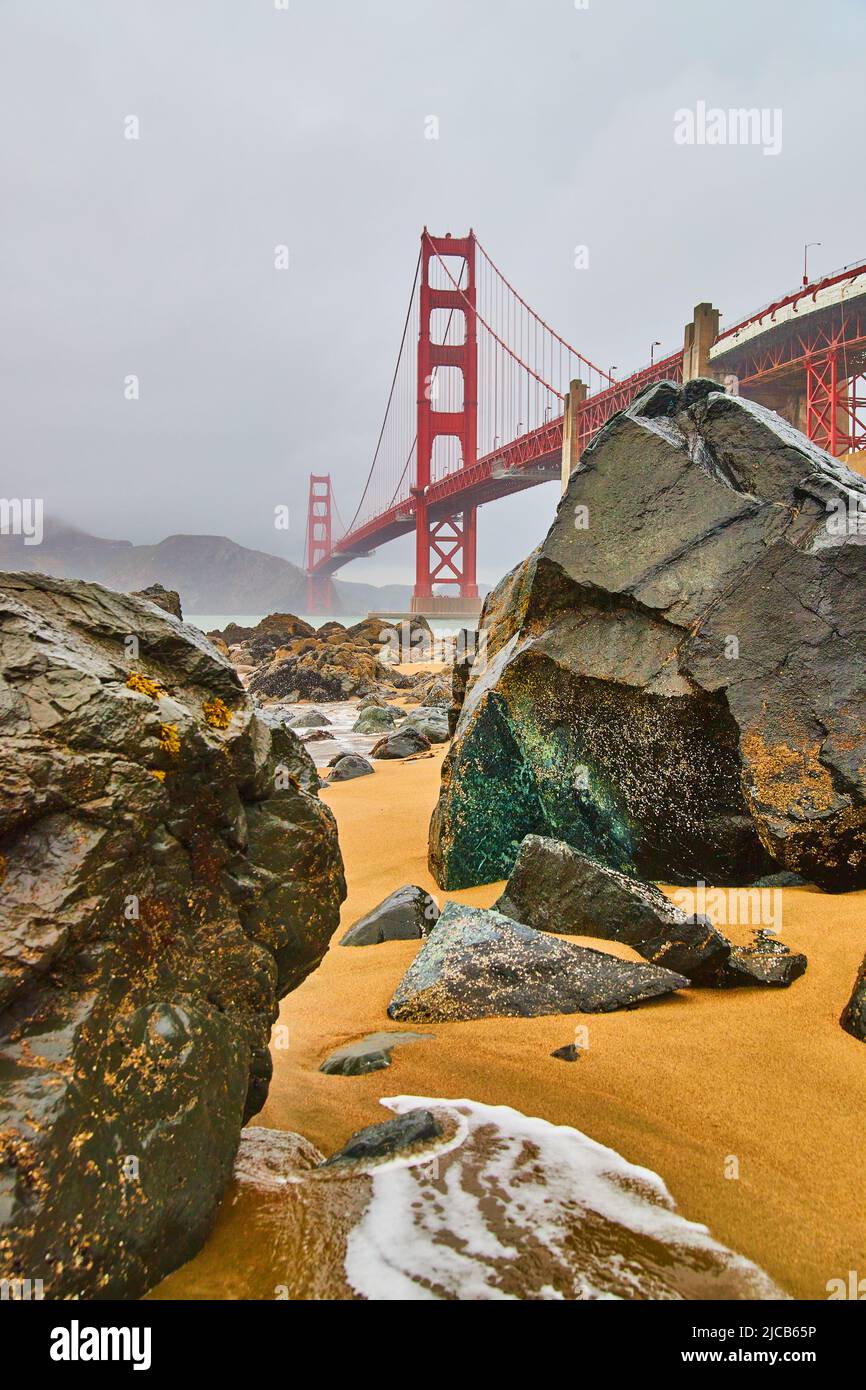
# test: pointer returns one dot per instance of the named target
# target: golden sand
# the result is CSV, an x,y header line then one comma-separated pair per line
x,y
684,1086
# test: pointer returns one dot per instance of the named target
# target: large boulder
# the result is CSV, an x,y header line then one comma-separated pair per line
x,y
556,888
675,682
165,879
476,963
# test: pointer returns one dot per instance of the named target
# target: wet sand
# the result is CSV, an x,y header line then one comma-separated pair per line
x,y
683,1086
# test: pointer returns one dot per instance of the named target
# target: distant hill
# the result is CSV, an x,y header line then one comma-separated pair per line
x,y
212,574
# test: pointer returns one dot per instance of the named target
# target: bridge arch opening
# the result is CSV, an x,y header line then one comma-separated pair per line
x,y
447,389
447,327
446,456
447,270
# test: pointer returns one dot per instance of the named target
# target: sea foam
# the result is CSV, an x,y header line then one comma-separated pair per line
x,y
524,1209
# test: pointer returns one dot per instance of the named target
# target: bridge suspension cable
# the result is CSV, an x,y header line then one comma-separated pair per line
x,y
523,370
412,311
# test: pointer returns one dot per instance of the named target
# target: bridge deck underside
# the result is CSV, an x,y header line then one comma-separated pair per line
x,y
470,487
785,349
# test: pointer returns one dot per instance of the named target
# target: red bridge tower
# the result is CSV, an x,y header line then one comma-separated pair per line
x,y
446,545
320,590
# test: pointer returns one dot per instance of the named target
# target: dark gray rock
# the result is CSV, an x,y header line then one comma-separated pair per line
x,y
310,719
165,879
556,888
853,1018
417,1129
569,1053
783,879
405,743
464,655
296,763
767,961
349,766
479,964
405,915
372,1053
676,680
166,599
375,719
429,720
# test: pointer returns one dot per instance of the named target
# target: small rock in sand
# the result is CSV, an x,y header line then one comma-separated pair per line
x,y
350,766
405,915
372,1053
310,719
402,744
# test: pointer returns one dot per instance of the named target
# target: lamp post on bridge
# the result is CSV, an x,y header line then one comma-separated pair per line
x,y
806,249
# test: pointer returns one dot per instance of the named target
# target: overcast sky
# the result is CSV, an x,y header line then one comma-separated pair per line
x,y
306,126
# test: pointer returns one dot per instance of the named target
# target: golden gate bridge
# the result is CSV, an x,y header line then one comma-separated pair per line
x,y
487,399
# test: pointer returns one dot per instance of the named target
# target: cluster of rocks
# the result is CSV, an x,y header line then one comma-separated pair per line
x,y
507,960
168,873
674,683
556,888
284,658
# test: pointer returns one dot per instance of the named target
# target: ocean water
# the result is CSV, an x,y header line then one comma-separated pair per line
x,y
342,715
503,1206
517,1207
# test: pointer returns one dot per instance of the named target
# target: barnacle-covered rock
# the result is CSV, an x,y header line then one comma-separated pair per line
x,y
164,879
675,682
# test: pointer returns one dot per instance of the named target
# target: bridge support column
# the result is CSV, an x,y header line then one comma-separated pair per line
x,y
577,394
320,595
831,405
320,590
698,338
445,549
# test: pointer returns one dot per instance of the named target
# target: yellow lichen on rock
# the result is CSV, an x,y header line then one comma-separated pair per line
x,y
144,685
786,776
217,713
169,739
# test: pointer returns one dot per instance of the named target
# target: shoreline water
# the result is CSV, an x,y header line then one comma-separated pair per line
x,y
682,1087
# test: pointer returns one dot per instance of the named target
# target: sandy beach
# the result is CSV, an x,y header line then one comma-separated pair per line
x,y
765,1077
